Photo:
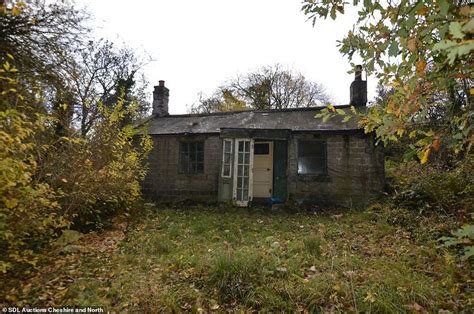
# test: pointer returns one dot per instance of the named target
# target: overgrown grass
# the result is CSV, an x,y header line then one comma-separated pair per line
x,y
250,259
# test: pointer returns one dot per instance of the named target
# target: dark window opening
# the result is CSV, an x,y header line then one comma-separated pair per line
x,y
312,157
191,157
261,148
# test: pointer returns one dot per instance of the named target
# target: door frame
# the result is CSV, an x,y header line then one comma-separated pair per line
x,y
236,162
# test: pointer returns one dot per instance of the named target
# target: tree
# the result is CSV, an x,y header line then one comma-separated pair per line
x,y
270,87
105,74
42,38
64,71
423,51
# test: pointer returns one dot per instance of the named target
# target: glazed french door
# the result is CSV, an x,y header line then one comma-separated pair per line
x,y
243,176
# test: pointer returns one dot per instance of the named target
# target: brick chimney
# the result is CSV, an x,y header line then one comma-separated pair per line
x,y
161,96
358,89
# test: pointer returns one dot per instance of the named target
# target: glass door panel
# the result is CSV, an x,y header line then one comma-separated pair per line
x,y
243,177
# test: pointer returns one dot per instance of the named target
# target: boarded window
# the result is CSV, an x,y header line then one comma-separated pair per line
x,y
312,157
191,157
226,158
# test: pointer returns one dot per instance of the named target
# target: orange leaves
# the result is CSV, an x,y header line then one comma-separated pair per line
x,y
422,12
420,68
412,44
436,144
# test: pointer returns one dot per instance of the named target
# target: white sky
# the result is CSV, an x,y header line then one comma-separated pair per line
x,y
198,45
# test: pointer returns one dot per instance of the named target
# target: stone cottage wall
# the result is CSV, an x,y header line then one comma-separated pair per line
x,y
163,181
355,171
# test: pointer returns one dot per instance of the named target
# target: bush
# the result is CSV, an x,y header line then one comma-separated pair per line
x,y
99,175
28,208
48,181
431,188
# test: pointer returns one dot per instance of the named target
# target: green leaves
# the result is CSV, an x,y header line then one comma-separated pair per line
x,y
422,50
443,6
463,238
455,30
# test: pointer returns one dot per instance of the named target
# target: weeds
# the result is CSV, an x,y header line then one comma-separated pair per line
x,y
238,260
312,245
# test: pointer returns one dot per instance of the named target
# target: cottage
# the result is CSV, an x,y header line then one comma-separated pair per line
x,y
259,155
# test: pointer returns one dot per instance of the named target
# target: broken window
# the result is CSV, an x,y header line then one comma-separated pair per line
x,y
191,157
312,157
226,158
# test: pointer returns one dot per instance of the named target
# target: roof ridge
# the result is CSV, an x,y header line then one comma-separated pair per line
x,y
250,110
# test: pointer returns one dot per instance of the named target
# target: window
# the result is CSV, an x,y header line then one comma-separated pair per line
x,y
191,157
312,157
226,158
262,148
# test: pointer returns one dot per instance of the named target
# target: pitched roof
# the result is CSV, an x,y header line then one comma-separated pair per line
x,y
297,119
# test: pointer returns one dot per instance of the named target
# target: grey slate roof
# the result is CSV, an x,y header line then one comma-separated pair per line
x,y
298,119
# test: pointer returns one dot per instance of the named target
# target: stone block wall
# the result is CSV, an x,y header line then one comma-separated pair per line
x,y
165,183
355,171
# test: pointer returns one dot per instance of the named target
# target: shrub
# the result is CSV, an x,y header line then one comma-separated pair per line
x,y
98,175
431,188
28,208
48,181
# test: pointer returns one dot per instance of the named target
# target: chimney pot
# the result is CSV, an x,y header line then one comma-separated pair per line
x,y
358,73
161,83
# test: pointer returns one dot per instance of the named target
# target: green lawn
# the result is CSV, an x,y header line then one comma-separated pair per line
x,y
206,259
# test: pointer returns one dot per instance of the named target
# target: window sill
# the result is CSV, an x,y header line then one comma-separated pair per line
x,y
321,177
190,174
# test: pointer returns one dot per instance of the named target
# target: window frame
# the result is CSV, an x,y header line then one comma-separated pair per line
x,y
324,156
189,169
230,158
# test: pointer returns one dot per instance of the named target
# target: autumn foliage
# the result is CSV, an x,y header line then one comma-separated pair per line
x,y
51,178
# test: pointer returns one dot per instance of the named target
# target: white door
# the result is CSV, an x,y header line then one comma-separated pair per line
x,y
243,161
262,169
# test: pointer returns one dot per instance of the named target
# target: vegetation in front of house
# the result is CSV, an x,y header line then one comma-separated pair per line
x,y
66,159
209,259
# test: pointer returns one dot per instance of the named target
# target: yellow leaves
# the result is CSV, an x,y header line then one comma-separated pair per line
x,y
471,91
10,202
420,68
370,297
424,155
16,11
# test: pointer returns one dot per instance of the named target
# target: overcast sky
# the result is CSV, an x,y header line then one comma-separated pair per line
x,y
198,45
